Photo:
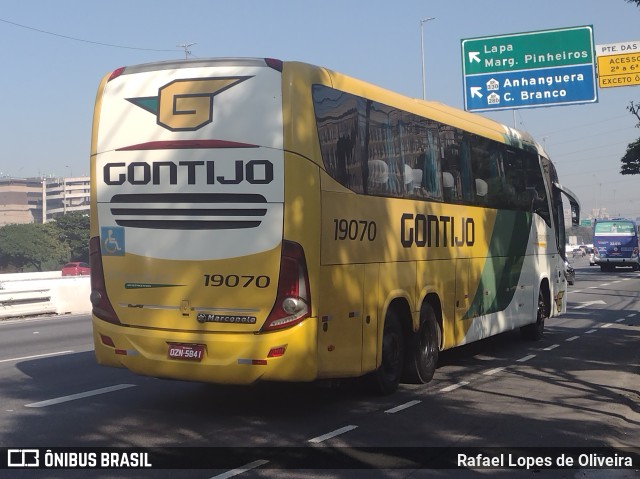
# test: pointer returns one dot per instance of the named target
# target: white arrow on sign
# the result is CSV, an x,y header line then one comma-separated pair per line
x,y
475,91
588,303
474,57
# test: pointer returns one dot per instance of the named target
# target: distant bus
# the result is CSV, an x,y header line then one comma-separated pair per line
x,y
253,219
615,243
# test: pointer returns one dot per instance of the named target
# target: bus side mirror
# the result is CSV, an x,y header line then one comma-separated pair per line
x,y
575,213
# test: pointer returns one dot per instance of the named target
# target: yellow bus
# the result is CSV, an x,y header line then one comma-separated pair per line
x,y
253,219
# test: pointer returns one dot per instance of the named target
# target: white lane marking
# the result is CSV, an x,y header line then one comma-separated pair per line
x,y
620,320
589,303
631,315
526,358
453,387
493,371
605,284
591,331
402,407
606,325
572,338
73,397
241,470
553,346
35,356
331,434
39,319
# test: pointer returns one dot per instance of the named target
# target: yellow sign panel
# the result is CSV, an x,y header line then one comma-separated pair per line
x,y
618,70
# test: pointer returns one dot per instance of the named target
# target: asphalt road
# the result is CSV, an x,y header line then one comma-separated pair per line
x,y
577,387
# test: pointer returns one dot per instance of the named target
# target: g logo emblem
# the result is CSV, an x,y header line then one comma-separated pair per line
x,y
186,105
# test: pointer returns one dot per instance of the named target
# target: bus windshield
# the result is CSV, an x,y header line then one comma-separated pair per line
x,y
623,228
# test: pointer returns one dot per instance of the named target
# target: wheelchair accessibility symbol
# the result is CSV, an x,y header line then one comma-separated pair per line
x,y
112,240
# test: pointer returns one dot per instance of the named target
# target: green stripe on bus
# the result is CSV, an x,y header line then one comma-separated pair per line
x,y
501,271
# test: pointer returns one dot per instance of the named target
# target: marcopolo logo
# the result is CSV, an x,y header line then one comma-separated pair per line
x,y
186,105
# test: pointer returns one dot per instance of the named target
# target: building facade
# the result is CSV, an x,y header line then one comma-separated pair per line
x,y
39,200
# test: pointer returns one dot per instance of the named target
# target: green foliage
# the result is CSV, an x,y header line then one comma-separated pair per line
x,y
631,159
32,246
73,230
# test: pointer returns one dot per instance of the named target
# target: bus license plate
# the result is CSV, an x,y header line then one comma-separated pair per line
x,y
190,352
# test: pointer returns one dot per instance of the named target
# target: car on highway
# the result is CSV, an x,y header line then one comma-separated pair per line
x,y
76,268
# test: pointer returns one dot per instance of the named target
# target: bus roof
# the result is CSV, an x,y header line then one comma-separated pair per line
x,y
456,117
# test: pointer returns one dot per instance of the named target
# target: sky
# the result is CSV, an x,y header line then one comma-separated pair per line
x,y
55,53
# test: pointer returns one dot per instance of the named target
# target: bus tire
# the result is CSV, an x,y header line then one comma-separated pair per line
x,y
423,349
535,330
386,378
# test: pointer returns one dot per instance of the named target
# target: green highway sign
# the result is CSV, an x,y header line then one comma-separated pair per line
x,y
531,69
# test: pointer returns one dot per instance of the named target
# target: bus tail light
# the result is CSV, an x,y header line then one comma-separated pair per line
x,y
292,301
99,300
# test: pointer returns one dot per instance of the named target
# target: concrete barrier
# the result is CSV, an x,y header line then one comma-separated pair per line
x,y
30,294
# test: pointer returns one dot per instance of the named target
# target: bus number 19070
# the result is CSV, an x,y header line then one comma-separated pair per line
x,y
354,230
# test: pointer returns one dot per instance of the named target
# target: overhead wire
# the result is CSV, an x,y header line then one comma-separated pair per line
x,y
84,40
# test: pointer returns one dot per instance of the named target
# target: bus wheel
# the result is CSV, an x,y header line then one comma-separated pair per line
x,y
422,357
387,377
536,330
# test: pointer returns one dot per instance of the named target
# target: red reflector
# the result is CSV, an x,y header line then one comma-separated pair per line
x,y
259,362
107,341
122,352
274,63
116,73
277,351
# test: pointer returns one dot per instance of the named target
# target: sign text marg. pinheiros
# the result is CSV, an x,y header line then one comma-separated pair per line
x,y
535,462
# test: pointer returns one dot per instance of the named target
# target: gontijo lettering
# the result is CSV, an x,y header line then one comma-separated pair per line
x,y
435,231
255,172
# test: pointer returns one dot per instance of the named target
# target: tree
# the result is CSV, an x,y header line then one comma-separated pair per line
x,y
73,230
631,159
32,246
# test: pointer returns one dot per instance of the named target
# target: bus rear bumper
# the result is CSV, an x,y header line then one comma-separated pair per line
x,y
617,261
227,358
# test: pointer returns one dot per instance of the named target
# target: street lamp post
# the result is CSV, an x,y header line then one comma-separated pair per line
x,y
422,22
